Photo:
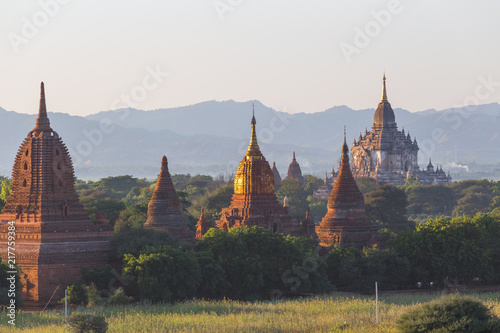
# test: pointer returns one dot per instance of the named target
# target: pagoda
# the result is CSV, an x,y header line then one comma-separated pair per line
x,y
254,202
54,235
388,155
346,221
202,226
294,172
165,207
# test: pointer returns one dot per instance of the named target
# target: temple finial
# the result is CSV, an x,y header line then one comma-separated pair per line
x,y
293,159
164,162
42,122
253,122
253,147
345,149
384,91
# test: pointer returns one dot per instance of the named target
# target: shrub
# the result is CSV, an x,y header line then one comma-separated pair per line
x,y
119,297
93,297
76,294
86,322
449,314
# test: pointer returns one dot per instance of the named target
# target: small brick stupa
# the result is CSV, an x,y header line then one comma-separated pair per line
x,y
254,202
54,236
346,221
294,172
165,207
202,226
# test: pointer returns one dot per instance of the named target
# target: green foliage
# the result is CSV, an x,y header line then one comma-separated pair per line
x,y
257,262
213,281
164,273
118,187
76,294
472,203
449,314
312,183
431,200
387,206
297,197
99,276
366,184
93,297
212,202
136,241
119,297
4,194
351,269
110,206
460,249
133,217
317,207
86,322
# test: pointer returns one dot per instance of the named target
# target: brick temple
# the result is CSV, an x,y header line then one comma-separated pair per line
x,y
346,221
165,207
294,172
254,202
54,235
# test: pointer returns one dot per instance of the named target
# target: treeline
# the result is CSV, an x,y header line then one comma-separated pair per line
x,y
249,263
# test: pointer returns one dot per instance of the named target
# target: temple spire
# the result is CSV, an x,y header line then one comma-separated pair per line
x,y
384,91
253,147
42,122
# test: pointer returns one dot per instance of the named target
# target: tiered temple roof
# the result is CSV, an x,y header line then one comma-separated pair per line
x,y
294,171
202,226
254,202
346,221
54,236
165,207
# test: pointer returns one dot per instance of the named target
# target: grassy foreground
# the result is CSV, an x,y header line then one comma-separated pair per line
x,y
329,313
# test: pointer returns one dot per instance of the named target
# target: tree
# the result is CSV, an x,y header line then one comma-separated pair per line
x,y
460,249
387,206
312,183
132,217
6,191
472,203
297,197
366,184
135,241
431,200
257,262
110,206
164,273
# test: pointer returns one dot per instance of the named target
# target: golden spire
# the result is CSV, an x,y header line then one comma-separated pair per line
x,y
253,147
384,91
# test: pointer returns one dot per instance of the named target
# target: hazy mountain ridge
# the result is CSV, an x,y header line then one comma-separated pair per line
x,y
211,137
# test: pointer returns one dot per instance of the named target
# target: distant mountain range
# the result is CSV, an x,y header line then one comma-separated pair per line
x,y
211,137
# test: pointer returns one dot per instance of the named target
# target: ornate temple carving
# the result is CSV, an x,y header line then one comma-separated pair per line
x,y
346,221
54,235
254,202
165,207
389,155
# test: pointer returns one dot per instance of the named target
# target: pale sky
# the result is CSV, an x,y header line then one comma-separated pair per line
x,y
287,54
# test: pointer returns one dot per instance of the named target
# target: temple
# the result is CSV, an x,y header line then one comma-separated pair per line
x,y
294,172
165,207
346,221
54,235
202,226
254,202
388,155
